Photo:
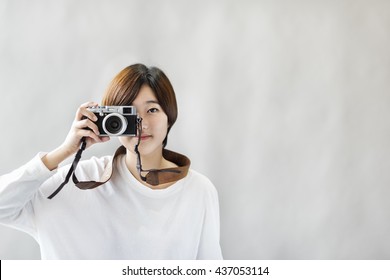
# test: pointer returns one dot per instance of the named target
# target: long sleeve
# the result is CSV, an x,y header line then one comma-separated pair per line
x,y
17,190
209,247
122,219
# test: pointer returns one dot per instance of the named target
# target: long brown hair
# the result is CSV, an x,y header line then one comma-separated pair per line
x,y
125,87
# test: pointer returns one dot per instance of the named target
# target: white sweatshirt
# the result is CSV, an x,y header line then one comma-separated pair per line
x,y
121,219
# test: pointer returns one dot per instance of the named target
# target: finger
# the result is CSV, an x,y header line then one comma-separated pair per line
x,y
83,111
89,134
101,140
105,138
87,124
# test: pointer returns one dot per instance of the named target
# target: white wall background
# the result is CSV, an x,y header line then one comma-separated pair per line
x,y
283,104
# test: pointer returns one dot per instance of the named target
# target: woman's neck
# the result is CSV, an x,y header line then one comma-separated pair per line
x,y
151,161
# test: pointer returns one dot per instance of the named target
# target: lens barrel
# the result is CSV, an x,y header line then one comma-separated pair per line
x,y
114,124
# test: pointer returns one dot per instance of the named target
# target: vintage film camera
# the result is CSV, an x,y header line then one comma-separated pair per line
x,y
116,120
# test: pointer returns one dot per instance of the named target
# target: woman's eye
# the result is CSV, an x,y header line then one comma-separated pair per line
x,y
153,110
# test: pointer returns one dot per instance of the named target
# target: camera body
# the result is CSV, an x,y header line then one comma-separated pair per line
x,y
116,120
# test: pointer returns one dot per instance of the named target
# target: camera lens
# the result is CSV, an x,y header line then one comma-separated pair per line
x,y
114,124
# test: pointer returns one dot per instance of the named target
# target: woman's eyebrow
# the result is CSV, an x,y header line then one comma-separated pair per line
x,y
152,102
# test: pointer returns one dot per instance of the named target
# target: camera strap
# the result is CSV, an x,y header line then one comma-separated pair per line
x,y
72,168
153,177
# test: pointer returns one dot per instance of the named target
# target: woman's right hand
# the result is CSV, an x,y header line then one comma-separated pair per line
x,y
83,126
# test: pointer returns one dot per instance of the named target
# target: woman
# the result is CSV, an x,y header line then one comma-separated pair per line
x,y
127,216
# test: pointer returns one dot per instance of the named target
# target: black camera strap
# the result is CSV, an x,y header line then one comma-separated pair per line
x,y
156,177
72,168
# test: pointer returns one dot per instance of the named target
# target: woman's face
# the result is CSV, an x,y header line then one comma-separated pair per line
x,y
154,124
